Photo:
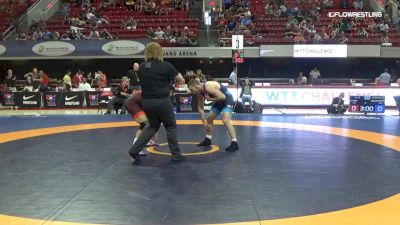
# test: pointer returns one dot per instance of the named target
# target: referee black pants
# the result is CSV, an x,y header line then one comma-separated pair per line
x,y
158,110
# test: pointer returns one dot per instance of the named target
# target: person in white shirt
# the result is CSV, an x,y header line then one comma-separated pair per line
x,y
385,77
159,34
84,86
233,77
314,74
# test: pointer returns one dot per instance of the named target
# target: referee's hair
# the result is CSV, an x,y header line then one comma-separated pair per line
x,y
153,51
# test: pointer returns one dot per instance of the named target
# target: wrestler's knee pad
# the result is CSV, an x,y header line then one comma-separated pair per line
x,y
143,125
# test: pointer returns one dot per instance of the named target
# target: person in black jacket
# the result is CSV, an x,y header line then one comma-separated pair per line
x,y
132,74
121,94
155,77
10,80
337,106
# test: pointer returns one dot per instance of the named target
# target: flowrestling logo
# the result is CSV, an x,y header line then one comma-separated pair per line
x,y
355,14
53,48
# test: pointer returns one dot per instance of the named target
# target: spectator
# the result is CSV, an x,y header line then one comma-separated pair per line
x,y
67,79
362,32
10,80
101,78
77,79
378,82
84,86
44,81
342,39
300,78
233,76
245,93
314,74
122,93
133,77
358,4
385,77
159,34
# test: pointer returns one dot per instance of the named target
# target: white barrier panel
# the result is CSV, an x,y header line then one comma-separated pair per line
x,y
314,96
320,51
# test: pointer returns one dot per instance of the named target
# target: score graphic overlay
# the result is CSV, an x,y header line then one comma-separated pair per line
x,y
367,104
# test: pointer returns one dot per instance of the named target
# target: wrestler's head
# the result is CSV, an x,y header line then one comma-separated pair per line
x,y
194,86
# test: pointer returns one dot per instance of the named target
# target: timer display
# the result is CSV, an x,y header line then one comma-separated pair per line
x,y
367,104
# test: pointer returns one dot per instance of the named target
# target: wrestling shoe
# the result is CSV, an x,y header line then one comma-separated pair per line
x,y
135,157
205,142
152,143
177,157
233,147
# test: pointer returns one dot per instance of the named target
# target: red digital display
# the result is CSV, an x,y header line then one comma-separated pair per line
x,y
237,56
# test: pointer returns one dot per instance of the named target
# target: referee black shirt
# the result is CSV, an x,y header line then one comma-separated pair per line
x,y
133,77
155,77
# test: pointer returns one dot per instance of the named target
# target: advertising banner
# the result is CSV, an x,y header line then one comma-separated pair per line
x,y
8,99
309,96
71,99
27,99
92,98
52,99
186,102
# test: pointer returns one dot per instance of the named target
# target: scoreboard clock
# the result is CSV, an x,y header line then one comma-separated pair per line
x,y
367,104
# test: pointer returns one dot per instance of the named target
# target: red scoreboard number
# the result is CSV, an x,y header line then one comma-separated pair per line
x,y
354,108
237,56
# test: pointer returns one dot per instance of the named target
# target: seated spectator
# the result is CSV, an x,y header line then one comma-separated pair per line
x,y
383,27
358,4
94,34
150,8
362,32
385,38
130,4
84,86
386,19
327,4
317,38
159,34
120,96
342,39
77,79
105,35
300,78
337,106
314,75
168,35
283,10
192,39
129,24
378,82
150,33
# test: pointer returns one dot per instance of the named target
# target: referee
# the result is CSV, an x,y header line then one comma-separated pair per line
x,y
155,78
